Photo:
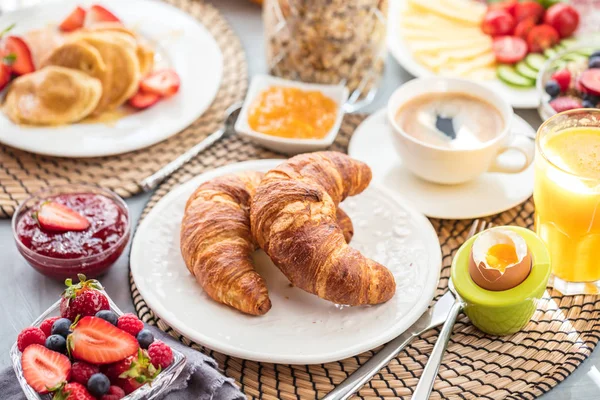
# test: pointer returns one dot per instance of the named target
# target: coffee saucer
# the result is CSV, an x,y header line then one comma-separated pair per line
x,y
490,193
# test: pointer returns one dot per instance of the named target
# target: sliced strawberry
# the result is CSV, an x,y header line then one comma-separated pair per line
x,y
522,29
57,217
142,100
5,72
23,63
561,104
97,13
542,37
563,78
74,21
97,341
164,83
590,80
509,49
44,369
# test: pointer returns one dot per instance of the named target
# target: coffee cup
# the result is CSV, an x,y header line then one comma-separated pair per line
x,y
453,164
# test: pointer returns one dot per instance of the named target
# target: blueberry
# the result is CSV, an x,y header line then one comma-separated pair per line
x,y
595,54
591,97
588,104
56,343
108,315
98,385
552,88
145,338
594,62
61,327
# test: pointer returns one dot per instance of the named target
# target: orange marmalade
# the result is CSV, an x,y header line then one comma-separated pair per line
x,y
292,113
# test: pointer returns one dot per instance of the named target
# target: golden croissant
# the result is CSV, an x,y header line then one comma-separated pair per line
x,y
217,244
293,219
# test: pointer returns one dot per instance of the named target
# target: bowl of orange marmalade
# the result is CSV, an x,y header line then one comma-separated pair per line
x,y
291,117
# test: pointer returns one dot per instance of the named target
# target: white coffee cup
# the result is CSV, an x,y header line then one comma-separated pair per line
x,y
453,166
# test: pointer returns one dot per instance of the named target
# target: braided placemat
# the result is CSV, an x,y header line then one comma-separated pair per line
x,y
561,335
22,173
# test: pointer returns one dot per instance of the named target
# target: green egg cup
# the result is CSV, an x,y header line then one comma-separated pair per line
x,y
508,311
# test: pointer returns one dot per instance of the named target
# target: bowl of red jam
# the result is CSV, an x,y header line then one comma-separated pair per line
x,y
72,229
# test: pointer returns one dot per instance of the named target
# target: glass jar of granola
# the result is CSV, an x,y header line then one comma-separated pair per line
x,y
328,41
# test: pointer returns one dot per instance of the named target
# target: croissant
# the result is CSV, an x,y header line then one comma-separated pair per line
x,y
293,220
217,244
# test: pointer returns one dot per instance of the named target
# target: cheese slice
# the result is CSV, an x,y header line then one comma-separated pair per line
x,y
433,46
470,12
434,34
483,74
466,67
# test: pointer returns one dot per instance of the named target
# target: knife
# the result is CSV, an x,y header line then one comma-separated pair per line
x,y
435,316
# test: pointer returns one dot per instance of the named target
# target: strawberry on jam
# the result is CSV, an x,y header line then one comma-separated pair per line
x,y
106,225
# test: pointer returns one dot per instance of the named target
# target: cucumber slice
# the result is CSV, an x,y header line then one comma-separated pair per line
x,y
574,57
535,61
549,52
525,70
566,43
588,51
559,48
509,75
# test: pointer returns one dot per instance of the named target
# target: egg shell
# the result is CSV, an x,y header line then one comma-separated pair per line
x,y
492,279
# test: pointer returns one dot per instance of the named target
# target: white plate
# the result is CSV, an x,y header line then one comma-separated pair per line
x,y
300,328
489,194
184,45
519,98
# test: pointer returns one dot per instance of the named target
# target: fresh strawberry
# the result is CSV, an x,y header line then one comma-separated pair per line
x,y
527,9
29,336
133,372
522,29
564,18
56,217
74,21
561,104
164,82
73,391
542,37
15,48
114,393
97,13
160,354
507,5
99,342
83,298
43,369
563,78
5,74
142,100
130,324
46,326
81,372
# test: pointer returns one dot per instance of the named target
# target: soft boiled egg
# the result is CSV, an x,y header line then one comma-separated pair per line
x,y
500,259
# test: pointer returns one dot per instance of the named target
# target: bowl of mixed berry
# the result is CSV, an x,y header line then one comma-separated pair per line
x,y
570,80
66,230
85,348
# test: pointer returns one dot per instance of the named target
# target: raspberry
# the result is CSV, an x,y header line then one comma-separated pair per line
x,y
160,354
130,324
563,78
114,393
81,372
29,336
46,326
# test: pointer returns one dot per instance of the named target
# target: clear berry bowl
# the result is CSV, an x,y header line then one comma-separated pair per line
x,y
99,247
574,59
146,392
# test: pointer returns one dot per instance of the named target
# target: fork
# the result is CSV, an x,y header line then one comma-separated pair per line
x,y
434,317
425,384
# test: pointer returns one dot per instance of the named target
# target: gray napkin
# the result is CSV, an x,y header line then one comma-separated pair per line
x,y
199,380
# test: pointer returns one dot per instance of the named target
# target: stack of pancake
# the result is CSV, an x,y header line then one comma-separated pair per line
x,y
93,70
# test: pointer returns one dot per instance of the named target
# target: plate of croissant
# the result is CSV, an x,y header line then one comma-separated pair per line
x,y
90,78
296,261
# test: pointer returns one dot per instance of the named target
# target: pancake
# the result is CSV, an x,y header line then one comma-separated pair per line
x,y
145,55
52,96
118,50
110,26
79,55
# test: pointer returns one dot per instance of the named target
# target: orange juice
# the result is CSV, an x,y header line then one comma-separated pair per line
x,y
567,198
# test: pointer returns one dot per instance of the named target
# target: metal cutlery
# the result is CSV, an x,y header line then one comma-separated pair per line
x,y
435,316
231,116
425,384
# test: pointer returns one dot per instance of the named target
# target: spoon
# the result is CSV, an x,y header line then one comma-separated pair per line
x,y
231,116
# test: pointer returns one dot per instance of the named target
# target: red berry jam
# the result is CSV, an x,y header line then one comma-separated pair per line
x,y
65,254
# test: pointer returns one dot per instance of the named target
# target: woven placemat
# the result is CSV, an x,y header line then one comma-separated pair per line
x,y
22,173
561,335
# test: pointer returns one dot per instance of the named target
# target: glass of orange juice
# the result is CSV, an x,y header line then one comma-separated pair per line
x,y
567,198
